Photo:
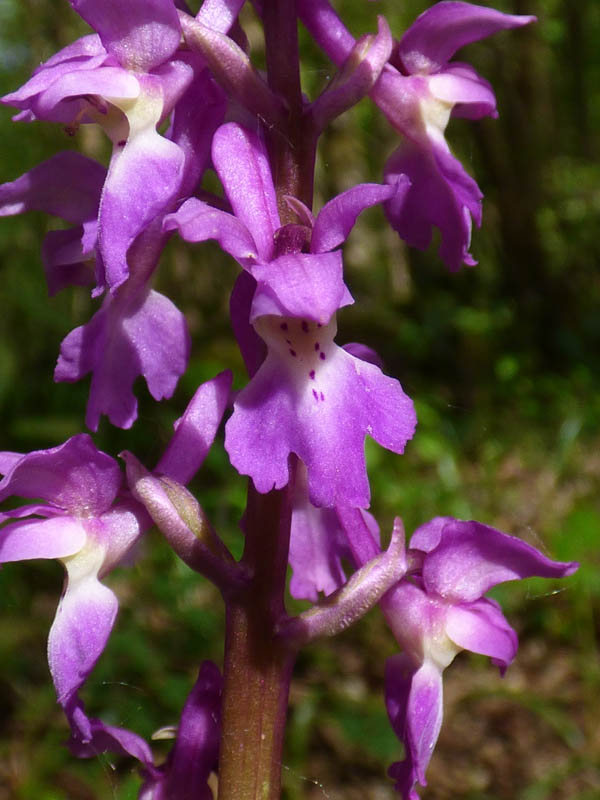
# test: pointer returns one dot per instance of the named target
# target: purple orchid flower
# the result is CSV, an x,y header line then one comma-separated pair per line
x,y
418,91
89,524
68,255
127,78
137,331
309,397
195,752
80,524
193,757
440,610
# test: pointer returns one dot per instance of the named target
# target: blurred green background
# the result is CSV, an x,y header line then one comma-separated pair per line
x,y
503,363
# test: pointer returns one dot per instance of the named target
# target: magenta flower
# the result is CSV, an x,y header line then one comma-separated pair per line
x,y
68,255
81,524
440,610
127,78
90,523
309,397
137,331
195,752
193,757
418,91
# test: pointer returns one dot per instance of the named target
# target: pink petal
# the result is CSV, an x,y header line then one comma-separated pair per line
x,y
141,34
242,164
83,622
56,537
441,30
196,429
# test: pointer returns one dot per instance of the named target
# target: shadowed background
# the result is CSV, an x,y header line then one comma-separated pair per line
x,y
502,361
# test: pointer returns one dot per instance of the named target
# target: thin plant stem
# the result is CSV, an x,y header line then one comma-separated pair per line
x,y
258,664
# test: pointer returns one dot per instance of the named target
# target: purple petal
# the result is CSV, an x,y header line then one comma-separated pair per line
x,y
252,347
416,620
72,94
117,532
83,622
196,221
362,533
317,546
427,536
175,77
195,119
300,285
471,558
130,336
327,29
481,628
336,219
196,429
74,476
91,737
52,72
68,186
313,399
141,34
8,460
470,94
56,537
194,755
242,164
413,698
441,194
364,352
144,178
444,28
32,509
85,47
68,256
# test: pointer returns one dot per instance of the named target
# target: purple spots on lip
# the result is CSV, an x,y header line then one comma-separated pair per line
x,y
317,346
315,395
284,326
293,352
305,326
311,374
288,341
322,396
319,325
122,143
322,356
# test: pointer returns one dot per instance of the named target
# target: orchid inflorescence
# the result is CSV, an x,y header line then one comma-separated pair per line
x,y
178,94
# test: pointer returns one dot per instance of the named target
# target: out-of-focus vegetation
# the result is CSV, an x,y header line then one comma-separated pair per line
x,y
503,363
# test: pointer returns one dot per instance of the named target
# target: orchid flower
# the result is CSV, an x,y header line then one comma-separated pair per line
x,y
90,524
418,91
309,397
193,756
439,611
127,77
137,331
80,524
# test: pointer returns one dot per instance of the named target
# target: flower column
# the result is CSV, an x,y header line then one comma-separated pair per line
x,y
258,665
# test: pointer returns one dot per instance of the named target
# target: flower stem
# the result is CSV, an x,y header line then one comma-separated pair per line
x,y
292,146
258,663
